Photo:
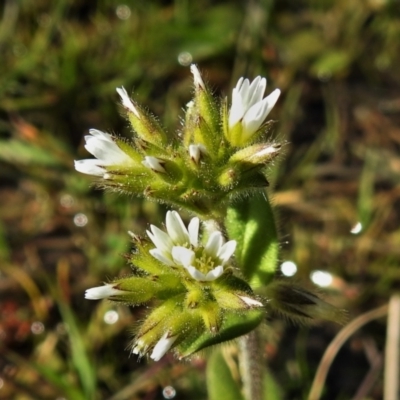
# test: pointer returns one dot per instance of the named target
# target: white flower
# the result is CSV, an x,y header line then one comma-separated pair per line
x,y
126,101
106,151
102,292
180,247
153,163
248,105
162,346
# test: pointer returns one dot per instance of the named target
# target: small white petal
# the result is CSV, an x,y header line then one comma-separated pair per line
x,y
256,91
153,163
238,107
102,292
215,273
176,228
256,115
226,251
195,152
183,256
107,152
90,167
126,101
193,229
99,135
196,274
266,151
198,82
210,276
104,148
162,257
214,243
160,239
162,346
251,302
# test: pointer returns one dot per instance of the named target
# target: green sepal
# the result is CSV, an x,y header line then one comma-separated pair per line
x,y
235,135
133,179
140,290
234,324
207,108
130,150
147,127
143,261
251,223
212,316
204,134
225,118
136,290
158,317
251,156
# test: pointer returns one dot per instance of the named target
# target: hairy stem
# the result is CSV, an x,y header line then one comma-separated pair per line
x,y
251,366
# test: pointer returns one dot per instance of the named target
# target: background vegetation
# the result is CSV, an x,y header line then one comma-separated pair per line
x,y
337,64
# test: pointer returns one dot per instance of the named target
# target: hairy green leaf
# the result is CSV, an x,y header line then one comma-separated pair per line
x,y
251,223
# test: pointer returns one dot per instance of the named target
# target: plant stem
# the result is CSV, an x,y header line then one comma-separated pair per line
x,y
392,351
251,367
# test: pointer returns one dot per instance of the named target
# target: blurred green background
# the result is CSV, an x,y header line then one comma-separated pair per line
x,y
336,189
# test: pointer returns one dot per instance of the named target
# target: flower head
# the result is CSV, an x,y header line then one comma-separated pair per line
x,y
249,109
106,151
180,247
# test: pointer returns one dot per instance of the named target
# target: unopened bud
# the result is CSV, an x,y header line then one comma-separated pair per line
x,y
145,125
256,154
298,303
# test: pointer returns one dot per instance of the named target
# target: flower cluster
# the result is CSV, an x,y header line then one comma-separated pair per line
x,y
198,299
196,296
219,154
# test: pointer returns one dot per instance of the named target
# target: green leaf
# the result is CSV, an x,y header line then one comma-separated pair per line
x,y
80,359
252,224
220,382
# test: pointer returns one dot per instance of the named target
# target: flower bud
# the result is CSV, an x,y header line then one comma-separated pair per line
x,y
298,303
145,125
257,154
207,111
